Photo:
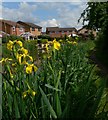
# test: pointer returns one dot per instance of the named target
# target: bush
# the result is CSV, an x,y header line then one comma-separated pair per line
x,y
102,47
43,41
44,37
6,39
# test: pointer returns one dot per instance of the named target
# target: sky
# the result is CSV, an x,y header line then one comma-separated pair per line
x,y
44,14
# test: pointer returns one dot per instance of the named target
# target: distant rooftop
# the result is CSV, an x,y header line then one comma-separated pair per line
x,y
9,22
60,29
30,24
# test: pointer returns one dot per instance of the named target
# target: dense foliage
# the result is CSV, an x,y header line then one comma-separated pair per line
x,y
64,86
5,38
96,14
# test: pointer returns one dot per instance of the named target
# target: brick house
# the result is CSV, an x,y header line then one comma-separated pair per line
x,y
32,28
86,32
11,28
56,32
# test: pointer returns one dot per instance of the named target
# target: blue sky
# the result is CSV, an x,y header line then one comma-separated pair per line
x,y
45,14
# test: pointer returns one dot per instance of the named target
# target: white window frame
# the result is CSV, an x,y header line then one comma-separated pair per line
x,y
13,28
21,29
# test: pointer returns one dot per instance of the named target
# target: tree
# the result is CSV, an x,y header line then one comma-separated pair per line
x,y
96,14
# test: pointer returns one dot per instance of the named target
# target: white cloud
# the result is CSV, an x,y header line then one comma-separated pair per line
x,y
24,12
49,23
0,11
69,16
44,0
26,6
66,14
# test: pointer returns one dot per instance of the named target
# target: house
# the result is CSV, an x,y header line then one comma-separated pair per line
x,y
11,28
32,28
56,32
84,31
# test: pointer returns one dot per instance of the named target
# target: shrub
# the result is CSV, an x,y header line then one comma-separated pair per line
x,y
6,39
44,37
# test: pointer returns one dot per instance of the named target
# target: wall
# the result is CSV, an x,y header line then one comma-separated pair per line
x,y
35,32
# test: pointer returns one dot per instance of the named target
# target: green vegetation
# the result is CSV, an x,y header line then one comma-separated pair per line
x,y
64,86
96,14
6,38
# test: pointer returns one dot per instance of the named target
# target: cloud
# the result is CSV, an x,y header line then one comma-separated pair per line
x,y
43,0
0,11
26,6
24,12
69,16
49,23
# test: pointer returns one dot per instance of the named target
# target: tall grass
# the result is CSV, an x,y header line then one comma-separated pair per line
x,y
65,86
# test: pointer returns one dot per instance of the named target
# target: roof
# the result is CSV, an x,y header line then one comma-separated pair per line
x,y
68,29
84,27
11,23
52,28
30,24
60,29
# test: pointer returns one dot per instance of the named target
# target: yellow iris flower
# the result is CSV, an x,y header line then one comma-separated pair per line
x,y
5,60
19,43
14,64
24,94
35,68
31,59
29,92
47,46
11,75
69,42
33,93
31,68
23,58
20,57
10,45
25,51
56,45
74,42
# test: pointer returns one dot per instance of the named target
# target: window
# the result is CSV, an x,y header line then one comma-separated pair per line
x,y
39,29
86,31
13,28
57,32
33,29
21,29
51,32
62,32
